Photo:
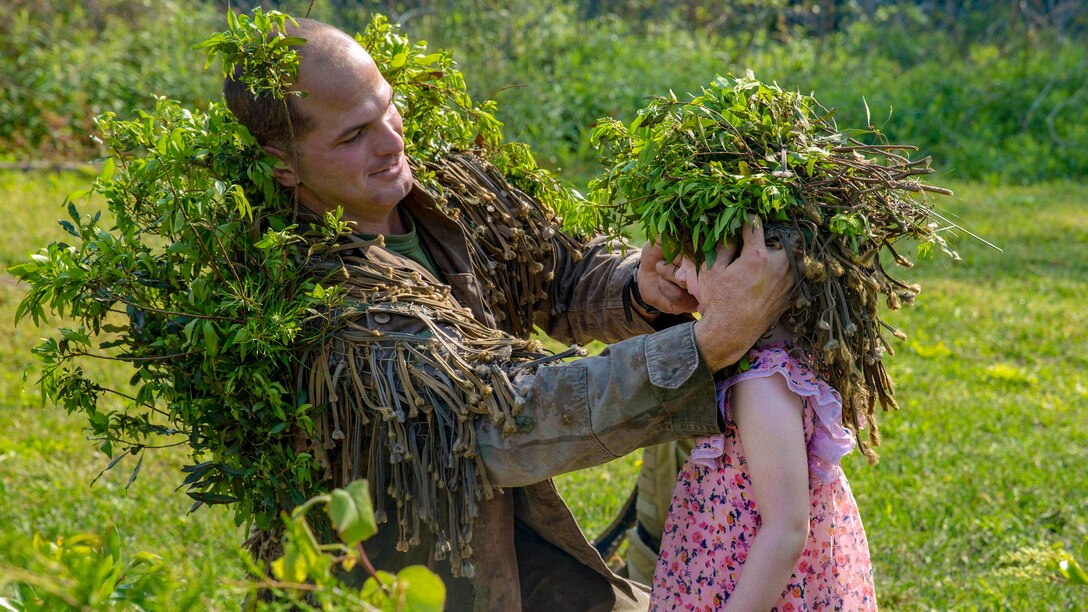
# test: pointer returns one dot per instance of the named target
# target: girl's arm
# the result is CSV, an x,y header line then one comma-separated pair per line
x,y
769,422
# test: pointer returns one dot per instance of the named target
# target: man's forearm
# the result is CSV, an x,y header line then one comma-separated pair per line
x,y
639,392
586,297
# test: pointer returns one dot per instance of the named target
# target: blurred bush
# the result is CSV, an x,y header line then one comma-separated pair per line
x,y
995,91
62,62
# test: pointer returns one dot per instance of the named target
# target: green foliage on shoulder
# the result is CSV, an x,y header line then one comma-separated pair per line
x,y
192,277
440,116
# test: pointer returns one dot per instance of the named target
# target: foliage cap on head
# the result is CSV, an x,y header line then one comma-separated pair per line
x,y
257,51
689,173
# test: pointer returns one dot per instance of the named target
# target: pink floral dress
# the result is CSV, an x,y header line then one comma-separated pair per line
x,y
713,518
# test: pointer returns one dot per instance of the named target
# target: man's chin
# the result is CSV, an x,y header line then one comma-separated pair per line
x,y
405,182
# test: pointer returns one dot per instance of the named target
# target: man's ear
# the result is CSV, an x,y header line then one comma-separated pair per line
x,y
284,170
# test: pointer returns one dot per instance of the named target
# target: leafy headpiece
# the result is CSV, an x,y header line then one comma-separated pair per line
x,y
689,173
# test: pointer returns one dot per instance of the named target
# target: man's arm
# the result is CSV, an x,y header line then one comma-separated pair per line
x,y
646,390
639,392
585,295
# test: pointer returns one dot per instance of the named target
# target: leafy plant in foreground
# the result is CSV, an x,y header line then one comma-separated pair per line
x,y
311,574
87,571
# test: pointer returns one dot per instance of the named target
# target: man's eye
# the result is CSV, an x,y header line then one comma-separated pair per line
x,y
354,138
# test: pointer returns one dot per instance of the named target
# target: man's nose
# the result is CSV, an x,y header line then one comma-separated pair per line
x,y
391,139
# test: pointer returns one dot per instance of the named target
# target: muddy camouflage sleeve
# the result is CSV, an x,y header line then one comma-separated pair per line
x,y
639,392
586,296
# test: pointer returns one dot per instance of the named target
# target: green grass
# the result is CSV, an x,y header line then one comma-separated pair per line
x,y
47,463
982,473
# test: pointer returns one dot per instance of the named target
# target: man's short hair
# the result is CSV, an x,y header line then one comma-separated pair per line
x,y
272,121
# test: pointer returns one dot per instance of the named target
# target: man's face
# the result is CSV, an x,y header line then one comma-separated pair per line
x,y
353,155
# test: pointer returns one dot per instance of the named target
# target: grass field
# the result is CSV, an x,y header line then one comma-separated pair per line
x,y
983,471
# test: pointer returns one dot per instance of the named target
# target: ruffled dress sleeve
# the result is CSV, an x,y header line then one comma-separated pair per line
x,y
829,440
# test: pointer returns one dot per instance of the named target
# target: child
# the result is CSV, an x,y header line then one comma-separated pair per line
x,y
762,516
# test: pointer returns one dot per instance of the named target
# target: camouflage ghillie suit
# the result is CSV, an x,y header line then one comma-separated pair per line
x,y
433,390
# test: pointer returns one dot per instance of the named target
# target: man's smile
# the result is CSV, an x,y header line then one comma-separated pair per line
x,y
390,170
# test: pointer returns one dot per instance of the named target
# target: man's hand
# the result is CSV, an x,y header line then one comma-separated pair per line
x,y
659,286
742,300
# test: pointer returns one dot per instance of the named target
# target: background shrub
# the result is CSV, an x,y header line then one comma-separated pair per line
x,y
994,90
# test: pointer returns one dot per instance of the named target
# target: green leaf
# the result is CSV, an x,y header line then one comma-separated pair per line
x,y
373,593
292,41
112,545
242,206
211,498
211,338
352,513
68,227
423,589
291,567
105,577
135,472
108,168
